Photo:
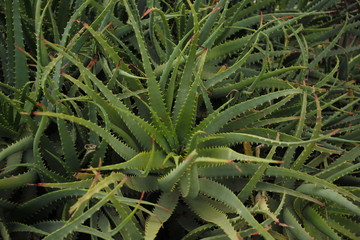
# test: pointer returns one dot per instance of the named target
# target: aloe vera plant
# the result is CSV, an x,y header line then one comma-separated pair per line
x,y
179,120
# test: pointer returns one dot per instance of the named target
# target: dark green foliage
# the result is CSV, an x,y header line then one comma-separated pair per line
x,y
127,119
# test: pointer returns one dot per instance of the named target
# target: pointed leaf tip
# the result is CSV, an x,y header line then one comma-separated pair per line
x,y
334,132
285,17
216,9
20,49
147,12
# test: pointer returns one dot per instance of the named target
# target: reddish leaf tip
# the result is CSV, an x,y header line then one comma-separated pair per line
x,y
334,132
216,9
285,17
19,48
147,12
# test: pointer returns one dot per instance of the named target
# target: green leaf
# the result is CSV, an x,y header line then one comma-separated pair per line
x,y
312,216
71,226
296,228
167,182
216,120
20,180
221,193
211,214
21,145
167,203
156,97
329,194
121,148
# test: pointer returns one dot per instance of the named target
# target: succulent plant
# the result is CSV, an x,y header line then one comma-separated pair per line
x,y
126,119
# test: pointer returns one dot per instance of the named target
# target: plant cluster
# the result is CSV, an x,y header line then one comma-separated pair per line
x,y
179,119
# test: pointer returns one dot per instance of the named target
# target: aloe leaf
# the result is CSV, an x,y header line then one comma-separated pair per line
x,y
156,97
257,177
68,146
74,224
53,225
320,56
150,161
210,22
143,184
166,36
119,109
323,81
306,177
185,81
121,148
109,50
252,118
170,63
299,129
167,203
167,182
141,161
341,228
224,154
111,179
21,145
228,139
349,156
4,232
127,227
215,121
20,227
21,67
192,181
333,173
233,45
66,33
263,186
221,193
115,101
228,170
219,77
171,140
78,40
319,5
18,180
186,116
312,189
126,220
340,220
210,214
227,88
316,133
312,216
33,206
172,81
9,50
274,121
82,184
12,162
41,50
16,69
296,229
